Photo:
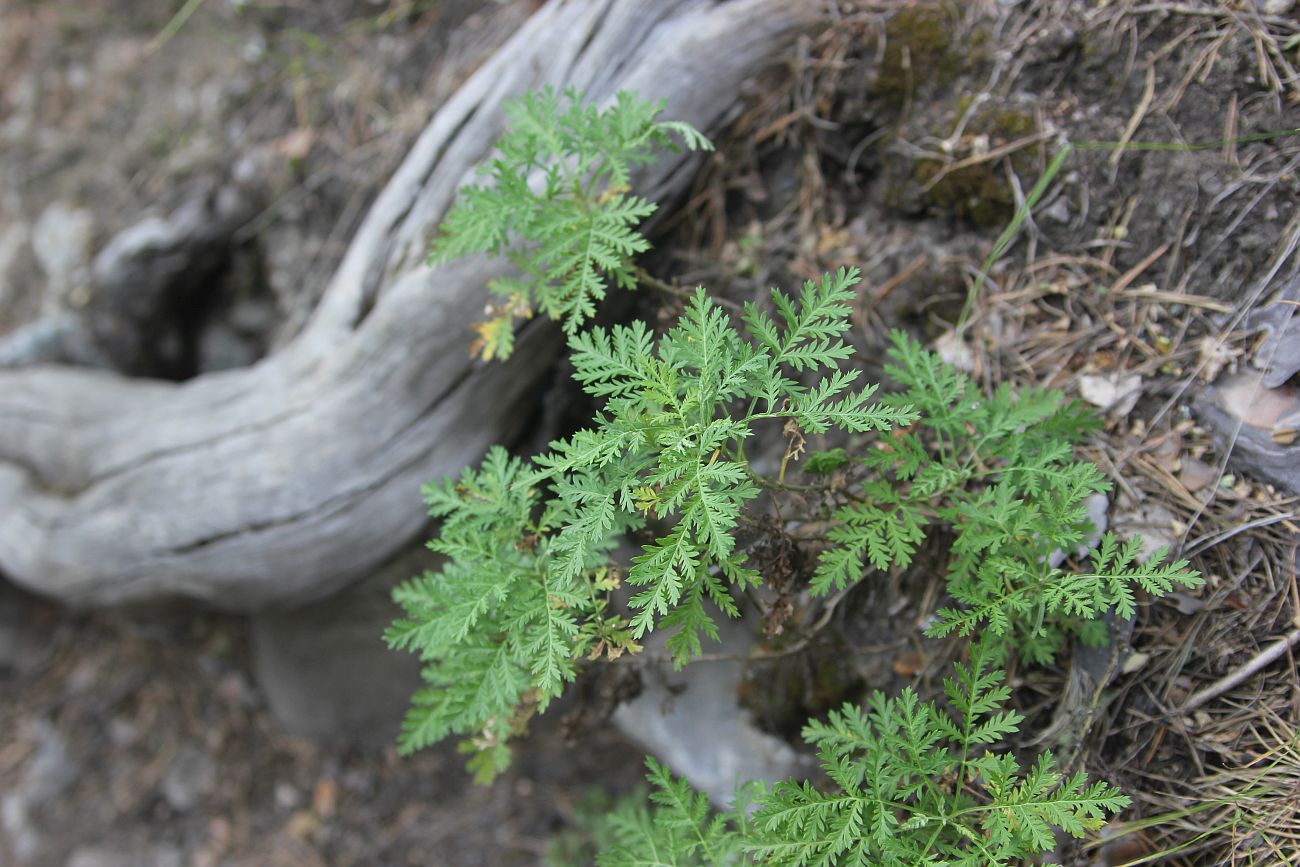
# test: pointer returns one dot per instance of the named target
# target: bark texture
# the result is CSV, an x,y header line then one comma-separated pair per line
x,y
281,482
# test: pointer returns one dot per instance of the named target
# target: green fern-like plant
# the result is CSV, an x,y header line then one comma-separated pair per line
x,y
558,206
910,783
677,828
670,442
527,590
1000,471
499,636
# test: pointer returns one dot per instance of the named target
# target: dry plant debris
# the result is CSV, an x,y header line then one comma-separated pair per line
x,y
901,139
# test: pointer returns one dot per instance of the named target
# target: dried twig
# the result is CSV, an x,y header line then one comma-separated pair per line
x,y
991,154
1139,113
644,276
1144,293
1263,659
881,292
1136,271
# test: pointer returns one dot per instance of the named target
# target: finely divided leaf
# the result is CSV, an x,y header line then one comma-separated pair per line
x,y
557,203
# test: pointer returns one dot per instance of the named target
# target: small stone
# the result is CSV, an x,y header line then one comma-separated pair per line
x,y
61,241
1135,662
1058,211
1116,393
254,49
954,352
1186,604
1196,474
1275,7
286,796
189,779
1152,522
100,856
122,732
52,771
221,347
18,829
1098,508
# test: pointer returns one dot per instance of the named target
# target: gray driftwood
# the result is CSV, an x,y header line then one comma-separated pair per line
x,y
281,482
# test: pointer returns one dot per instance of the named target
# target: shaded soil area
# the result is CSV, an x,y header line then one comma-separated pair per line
x,y
902,139
144,741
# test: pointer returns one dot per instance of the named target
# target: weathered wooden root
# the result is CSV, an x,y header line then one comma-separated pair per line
x,y
281,482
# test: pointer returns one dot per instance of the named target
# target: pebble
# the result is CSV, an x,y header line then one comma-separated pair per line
x,y
50,773
1059,211
1098,508
61,241
98,856
188,779
52,770
18,829
1275,7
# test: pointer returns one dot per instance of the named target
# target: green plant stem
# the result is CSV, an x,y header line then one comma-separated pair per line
x,y
173,26
644,276
1009,233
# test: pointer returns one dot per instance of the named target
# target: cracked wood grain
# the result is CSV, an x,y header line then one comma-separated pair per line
x,y
281,482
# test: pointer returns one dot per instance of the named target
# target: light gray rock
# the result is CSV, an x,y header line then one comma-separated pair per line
x,y
61,241
50,773
99,856
222,347
1098,508
19,832
189,779
692,720
1279,352
1275,7
52,770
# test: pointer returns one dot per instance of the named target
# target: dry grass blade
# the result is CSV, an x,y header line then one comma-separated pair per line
x,y
1009,233
1139,113
988,156
1249,811
1150,293
1137,270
